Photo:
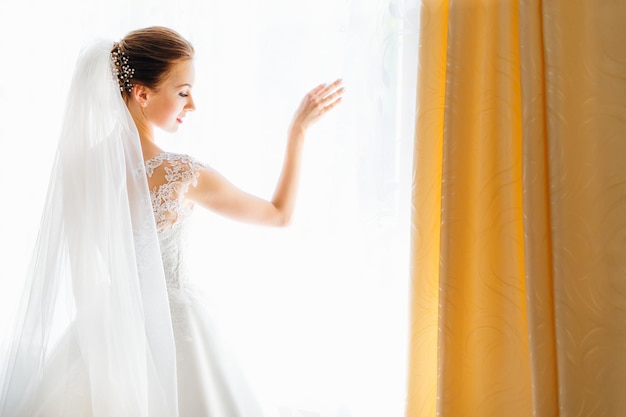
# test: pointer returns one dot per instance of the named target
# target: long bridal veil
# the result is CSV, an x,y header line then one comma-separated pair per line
x,y
93,334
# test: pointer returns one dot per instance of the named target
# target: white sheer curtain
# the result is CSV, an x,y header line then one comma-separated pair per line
x,y
317,312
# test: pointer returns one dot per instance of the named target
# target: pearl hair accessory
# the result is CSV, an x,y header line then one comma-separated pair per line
x,y
121,69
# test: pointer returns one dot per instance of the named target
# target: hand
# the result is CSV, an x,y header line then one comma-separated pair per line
x,y
316,103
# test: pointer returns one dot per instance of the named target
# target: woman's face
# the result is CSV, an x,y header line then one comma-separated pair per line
x,y
167,105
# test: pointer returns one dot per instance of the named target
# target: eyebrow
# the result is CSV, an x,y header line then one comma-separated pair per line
x,y
183,85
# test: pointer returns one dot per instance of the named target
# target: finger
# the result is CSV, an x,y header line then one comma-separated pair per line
x,y
331,105
317,89
333,86
332,98
323,89
324,95
334,95
314,96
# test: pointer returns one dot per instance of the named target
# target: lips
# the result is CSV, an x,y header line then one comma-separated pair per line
x,y
179,120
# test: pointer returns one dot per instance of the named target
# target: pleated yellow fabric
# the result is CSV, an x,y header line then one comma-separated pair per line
x,y
519,210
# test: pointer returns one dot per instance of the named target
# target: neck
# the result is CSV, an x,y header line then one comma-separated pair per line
x,y
145,130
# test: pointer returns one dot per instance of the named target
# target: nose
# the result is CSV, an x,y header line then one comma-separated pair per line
x,y
191,105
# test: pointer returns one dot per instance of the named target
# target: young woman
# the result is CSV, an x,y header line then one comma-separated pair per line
x,y
135,340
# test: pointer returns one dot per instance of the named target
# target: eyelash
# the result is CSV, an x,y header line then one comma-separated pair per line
x,y
183,95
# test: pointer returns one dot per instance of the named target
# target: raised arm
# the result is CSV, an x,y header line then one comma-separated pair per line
x,y
216,193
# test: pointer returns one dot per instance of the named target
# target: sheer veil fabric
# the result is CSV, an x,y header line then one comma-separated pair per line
x,y
93,336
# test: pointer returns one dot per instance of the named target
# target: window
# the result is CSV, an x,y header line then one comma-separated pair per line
x,y
316,312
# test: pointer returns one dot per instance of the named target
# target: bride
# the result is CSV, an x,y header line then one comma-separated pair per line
x,y
109,324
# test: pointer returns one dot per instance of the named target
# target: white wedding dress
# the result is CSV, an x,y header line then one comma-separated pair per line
x,y
106,327
208,379
209,382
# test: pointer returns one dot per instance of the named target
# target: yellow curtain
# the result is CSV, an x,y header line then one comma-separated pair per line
x,y
519,210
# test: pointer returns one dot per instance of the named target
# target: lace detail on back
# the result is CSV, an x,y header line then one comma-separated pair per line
x,y
178,172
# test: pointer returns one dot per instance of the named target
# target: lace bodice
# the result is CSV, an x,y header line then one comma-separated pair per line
x,y
168,202
173,174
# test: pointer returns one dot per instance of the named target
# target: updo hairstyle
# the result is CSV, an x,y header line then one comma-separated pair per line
x,y
150,53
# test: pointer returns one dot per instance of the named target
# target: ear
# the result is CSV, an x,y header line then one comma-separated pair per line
x,y
140,93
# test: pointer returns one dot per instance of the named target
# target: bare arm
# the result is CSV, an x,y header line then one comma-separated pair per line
x,y
216,193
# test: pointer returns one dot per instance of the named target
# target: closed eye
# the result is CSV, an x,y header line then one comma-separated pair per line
x,y
183,94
